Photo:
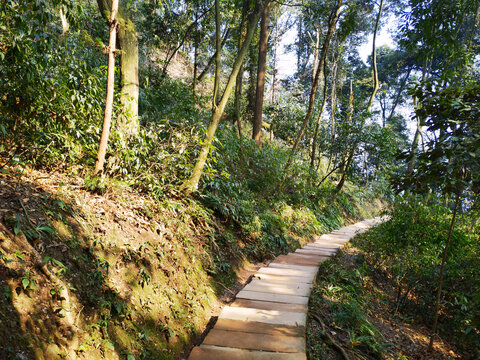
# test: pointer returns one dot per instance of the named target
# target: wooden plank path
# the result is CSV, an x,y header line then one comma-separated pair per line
x,y
268,318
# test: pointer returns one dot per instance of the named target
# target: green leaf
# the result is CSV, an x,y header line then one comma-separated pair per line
x,y
25,283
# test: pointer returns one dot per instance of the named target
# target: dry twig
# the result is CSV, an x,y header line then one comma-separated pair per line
x,y
326,334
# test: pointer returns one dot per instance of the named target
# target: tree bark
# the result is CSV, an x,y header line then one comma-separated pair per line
x,y
195,55
262,64
239,81
374,58
128,44
110,86
319,118
192,183
129,89
275,47
218,47
63,18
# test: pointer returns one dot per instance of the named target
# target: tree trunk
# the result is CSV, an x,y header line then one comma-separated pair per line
x,y
442,266
333,99
252,75
128,44
370,101
374,58
262,64
319,118
195,55
239,80
398,96
102,149
332,21
192,183
212,59
315,55
416,137
63,18
218,47
275,47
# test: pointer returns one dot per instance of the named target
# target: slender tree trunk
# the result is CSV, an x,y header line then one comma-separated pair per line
x,y
129,89
110,86
333,99
195,56
315,54
414,149
239,80
216,84
441,275
374,58
169,57
213,57
398,96
63,18
319,118
128,44
332,21
192,183
275,47
252,76
262,64
370,101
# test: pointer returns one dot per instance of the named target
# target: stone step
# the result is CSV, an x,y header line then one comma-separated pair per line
x,y
280,298
259,328
269,305
251,341
209,352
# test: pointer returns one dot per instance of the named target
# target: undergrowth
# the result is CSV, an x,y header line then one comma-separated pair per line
x,y
377,298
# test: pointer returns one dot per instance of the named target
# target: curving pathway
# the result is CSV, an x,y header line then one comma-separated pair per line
x,y
268,318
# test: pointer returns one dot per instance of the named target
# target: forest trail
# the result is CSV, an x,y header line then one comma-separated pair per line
x,y
268,318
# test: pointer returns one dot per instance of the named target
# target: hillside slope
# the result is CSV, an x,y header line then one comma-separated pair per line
x,y
117,275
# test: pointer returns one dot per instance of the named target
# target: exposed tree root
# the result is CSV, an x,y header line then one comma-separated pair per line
x,y
329,337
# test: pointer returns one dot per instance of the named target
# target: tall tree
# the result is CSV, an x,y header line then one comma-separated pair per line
x,y
192,183
356,142
110,86
129,85
332,22
262,64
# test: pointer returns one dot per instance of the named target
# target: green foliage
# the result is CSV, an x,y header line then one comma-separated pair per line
x,y
451,161
341,294
408,248
52,85
241,188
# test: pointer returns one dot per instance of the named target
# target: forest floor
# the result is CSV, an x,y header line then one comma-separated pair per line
x,y
369,326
